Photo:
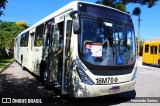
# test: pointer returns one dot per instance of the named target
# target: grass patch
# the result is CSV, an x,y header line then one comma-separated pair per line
x,y
5,62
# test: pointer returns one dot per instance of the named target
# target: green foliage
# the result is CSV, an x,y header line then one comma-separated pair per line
x,y
136,11
107,2
141,41
121,7
5,62
149,3
121,4
8,32
113,3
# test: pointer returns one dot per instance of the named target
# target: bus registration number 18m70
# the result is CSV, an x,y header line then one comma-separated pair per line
x,y
108,80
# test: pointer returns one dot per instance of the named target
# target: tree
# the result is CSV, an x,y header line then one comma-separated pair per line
x,y
22,24
137,12
8,32
113,3
149,3
140,46
121,7
2,6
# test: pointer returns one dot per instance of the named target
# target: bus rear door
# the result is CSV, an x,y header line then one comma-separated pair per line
x,y
146,53
30,50
153,55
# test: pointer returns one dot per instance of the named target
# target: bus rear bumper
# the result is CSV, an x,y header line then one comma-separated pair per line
x,y
86,91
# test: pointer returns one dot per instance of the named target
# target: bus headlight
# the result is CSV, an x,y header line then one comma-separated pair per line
x,y
84,77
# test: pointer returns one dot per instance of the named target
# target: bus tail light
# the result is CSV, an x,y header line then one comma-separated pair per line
x,y
84,77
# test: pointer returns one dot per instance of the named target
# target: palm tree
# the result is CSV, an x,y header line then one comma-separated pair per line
x,y
137,12
2,6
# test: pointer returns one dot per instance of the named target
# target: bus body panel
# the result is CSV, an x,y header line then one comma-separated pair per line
x,y
151,52
82,90
23,57
16,48
79,89
30,65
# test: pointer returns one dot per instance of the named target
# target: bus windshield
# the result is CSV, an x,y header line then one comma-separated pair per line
x,y
106,44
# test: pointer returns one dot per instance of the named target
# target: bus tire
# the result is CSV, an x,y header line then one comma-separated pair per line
x,y
159,63
143,63
23,68
42,69
46,78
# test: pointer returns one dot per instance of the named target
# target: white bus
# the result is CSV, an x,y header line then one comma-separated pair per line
x,y
85,49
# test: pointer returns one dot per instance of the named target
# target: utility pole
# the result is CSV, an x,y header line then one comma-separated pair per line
x,y
139,21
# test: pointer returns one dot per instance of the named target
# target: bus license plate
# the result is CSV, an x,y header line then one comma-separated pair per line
x,y
108,80
114,89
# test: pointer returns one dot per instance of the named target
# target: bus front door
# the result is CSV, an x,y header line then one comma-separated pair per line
x,y
66,54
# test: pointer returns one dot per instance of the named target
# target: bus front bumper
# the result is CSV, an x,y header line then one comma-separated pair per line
x,y
85,91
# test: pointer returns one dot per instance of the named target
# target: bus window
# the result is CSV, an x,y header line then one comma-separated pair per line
x,y
32,41
151,48
155,50
60,28
159,48
24,39
146,48
38,35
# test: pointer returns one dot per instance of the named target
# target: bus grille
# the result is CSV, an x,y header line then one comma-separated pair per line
x,y
110,72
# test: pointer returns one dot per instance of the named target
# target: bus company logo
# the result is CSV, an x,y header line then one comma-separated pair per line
x,y
16,100
6,100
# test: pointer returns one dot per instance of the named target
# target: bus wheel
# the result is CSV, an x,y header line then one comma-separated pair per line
x,y
46,77
143,63
159,63
23,68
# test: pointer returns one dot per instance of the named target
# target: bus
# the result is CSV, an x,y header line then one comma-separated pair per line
x,y
151,53
84,49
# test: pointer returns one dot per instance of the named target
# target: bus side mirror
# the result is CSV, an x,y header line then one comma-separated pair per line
x,y
76,26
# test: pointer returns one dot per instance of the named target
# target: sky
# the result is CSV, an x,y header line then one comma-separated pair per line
x,y
31,11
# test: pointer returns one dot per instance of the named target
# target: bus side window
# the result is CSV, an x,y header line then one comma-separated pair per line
x,y
159,48
146,48
155,50
60,28
38,36
151,48
24,39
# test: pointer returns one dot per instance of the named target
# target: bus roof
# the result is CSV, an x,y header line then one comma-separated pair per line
x,y
70,6
152,40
